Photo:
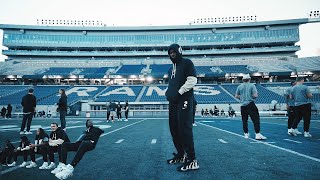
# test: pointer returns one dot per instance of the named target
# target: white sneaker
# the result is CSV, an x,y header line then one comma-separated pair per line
x,y
246,135
12,164
44,165
260,137
67,172
28,132
307,134
292,132
31,165
23,164
60,167
22,132
52,165
194,124
125,120
297,131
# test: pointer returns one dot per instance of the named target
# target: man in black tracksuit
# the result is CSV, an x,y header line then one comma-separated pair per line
x,y
29,104
86,142
56,138
182,79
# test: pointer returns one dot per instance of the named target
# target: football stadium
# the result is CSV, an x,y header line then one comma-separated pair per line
x,y
96,65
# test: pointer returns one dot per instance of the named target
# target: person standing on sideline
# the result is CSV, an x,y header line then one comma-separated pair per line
x,y
29,103
62,108
182,79
247,93
301,95
108,110
9,110
3,112
194,110
126,110
113,107
119,107
290,107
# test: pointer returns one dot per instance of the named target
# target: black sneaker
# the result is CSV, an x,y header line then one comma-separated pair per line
x,y
176,159
188,166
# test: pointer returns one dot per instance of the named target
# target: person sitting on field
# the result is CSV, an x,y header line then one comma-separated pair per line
x,y
86,142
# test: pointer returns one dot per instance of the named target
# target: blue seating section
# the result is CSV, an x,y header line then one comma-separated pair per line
x,y
74,96
14,98
119,96
130,69
7,90
47,95
158,70
235,69
154,97
212,94
205,94
59,71
265,95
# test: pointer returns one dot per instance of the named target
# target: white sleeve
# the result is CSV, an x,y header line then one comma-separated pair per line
x,y
189,84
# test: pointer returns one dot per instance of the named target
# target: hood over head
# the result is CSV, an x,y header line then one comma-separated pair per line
x,y
177,48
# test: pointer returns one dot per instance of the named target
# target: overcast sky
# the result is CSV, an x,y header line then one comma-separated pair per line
x,y
164,12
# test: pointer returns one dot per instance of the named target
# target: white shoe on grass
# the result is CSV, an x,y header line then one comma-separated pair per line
x,y
12,164
59,168
259,136
246,135
44,165
66,172
31,165
23,164
307,134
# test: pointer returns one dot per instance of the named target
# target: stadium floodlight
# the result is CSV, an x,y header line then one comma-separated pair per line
x,y
149,79
133,77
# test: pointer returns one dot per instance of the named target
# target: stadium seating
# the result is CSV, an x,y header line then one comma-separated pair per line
x,y
130,70
158,70
119,93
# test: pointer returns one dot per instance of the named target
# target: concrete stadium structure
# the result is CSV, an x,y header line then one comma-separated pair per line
x,y
58,55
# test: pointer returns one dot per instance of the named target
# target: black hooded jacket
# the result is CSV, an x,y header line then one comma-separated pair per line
x,y
63,103
182,69
92,134
59,134
29,102
24,142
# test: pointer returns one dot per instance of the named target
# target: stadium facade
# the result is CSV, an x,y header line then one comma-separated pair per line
x,y
136,57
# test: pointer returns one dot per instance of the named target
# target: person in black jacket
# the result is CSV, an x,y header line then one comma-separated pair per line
x,y
9,109
40,146
3,112
119,107
7,153
126,110
182,79
62,108
29,104
22,150
56,138
86,142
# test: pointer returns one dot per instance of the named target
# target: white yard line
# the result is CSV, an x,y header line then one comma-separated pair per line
x,y
271,145
223,141
154,141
